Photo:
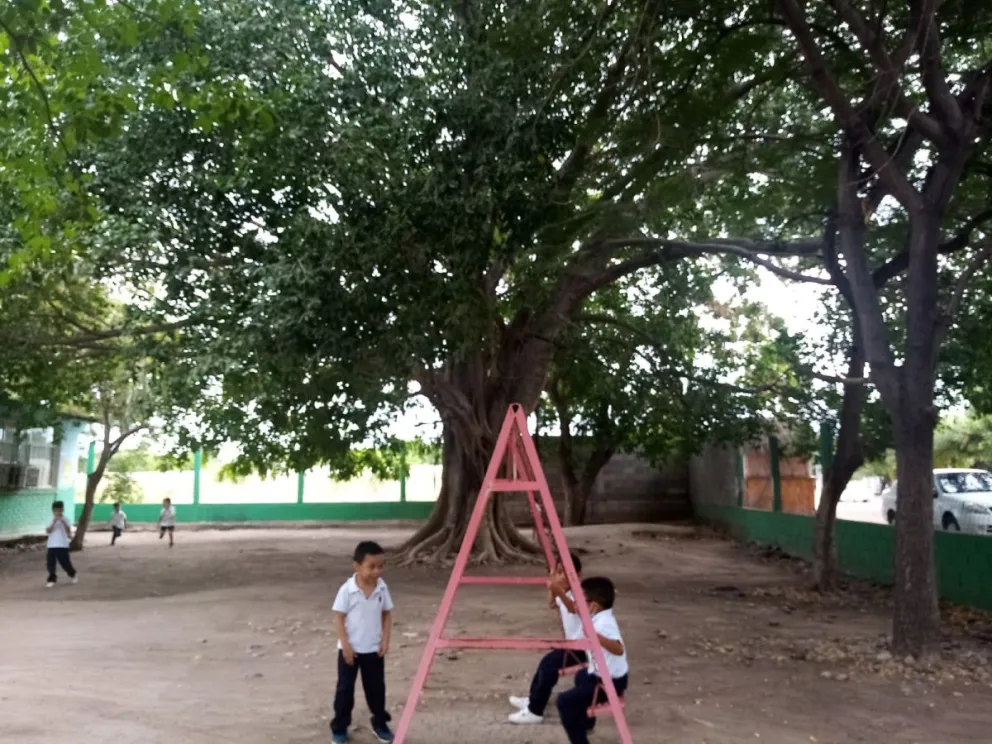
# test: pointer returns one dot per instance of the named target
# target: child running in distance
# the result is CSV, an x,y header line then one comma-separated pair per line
x,y
531,708
59,532
118,520
363,618
573,705
167,521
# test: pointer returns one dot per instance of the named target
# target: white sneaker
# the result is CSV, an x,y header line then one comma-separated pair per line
x,y
74,579
525,717
50,584
519,702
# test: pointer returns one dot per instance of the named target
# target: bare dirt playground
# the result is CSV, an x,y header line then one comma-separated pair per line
x,y
227,638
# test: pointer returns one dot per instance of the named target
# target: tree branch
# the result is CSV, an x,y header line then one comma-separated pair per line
x,y
939,93
847,116
43,94
570,170
964,280
900,262
887,83
674,249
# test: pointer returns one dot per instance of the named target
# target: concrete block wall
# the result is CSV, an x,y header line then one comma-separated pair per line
x,y
628,489
715,477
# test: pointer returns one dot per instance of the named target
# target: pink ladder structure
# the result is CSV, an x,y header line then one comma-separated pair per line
x,y
516,449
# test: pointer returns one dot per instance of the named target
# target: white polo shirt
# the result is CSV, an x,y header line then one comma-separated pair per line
x,y
363,615
168,517
572,624
605,624
58,537
117,519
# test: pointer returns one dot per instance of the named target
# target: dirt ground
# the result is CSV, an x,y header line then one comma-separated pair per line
x,y
227,638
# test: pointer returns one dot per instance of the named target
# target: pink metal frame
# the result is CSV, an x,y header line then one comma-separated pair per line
x,y
516,448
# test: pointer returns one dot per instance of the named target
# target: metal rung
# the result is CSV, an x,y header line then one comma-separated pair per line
x,y
514,644
528,580
514,485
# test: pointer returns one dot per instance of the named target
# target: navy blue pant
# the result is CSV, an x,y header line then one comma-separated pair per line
x,y
547,674
373,670
573,705
60,556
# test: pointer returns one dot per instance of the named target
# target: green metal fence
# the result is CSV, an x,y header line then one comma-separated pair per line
x,y
865,550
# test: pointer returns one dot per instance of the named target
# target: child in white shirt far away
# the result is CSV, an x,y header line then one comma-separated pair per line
x,y
59,532
167,521
363,619
531,708
573,705
118,521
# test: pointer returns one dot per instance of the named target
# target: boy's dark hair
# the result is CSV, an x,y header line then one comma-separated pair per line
x,y
366,548
576,561
117,504
600,590
58,505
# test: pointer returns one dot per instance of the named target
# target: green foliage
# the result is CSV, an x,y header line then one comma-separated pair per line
x,y
121,488
337,201
651,370
959,442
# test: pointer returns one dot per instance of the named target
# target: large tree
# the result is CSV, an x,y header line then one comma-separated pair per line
x,y
341,201
919,83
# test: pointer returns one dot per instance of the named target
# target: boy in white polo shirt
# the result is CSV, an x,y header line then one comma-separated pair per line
x,y
573,705
59,531
531,708
167,521
118,520
363,618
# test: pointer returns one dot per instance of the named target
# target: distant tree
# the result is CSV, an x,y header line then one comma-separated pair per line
x,y
123,402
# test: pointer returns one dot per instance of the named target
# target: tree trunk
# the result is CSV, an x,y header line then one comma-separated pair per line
x,y
848,457
916,616
578,490
92,481
916,619
576,502
466,452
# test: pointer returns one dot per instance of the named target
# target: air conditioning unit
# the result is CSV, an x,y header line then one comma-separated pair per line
x,y
32,478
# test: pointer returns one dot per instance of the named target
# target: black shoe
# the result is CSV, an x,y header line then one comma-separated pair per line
x,y
382,733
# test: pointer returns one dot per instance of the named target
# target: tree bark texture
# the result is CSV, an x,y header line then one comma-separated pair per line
x,y
916,619
472,403
92,481
848,457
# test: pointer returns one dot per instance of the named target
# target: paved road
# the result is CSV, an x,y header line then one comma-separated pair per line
x,y
861,511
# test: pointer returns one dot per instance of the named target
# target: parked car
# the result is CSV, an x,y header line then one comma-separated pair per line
x,y
962,500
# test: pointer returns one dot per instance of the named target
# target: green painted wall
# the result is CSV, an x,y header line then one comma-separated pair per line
x,y
353,512
867,551
25,512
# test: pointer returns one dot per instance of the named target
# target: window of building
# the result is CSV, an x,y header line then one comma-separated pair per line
x,y
29,458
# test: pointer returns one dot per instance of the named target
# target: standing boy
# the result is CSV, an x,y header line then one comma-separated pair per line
x,y
59,531
574,704
531,708
363,619
118,520
167,520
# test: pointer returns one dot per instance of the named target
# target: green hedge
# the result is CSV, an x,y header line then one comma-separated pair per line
x,y
867,551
